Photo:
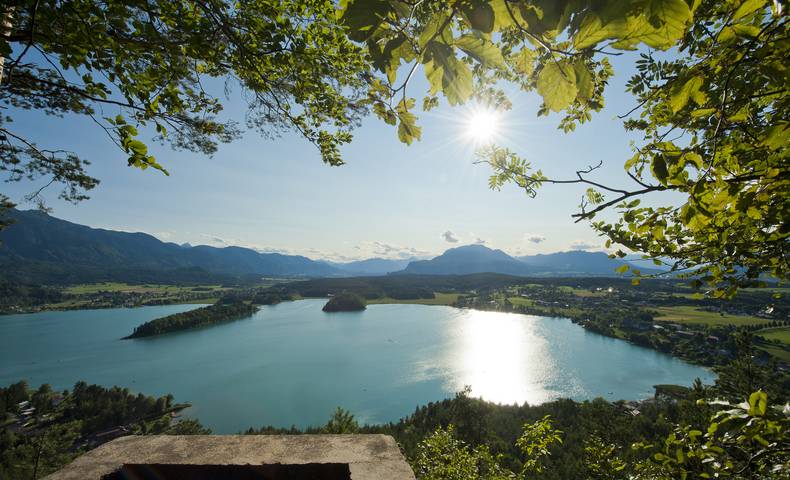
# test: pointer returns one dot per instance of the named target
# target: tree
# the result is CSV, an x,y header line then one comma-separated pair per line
x,y
744,440
341,421
739,378
535,443
747,440
42,398
442,456
131,65
602,460
713,113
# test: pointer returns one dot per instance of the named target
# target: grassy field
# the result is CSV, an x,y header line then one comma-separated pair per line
x,y
582,292
521,301
688,314
440,299
780,333
776,351
689,296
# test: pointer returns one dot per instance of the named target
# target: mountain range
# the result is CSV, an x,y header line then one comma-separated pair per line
x,y
39,248
479,259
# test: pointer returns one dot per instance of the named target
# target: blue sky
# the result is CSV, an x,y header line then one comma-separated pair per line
x,y
389,200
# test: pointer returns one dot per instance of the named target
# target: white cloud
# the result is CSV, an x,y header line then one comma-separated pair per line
x,y
164,236
479,241
534,238
361,251
450,237
391,251
214,240
583,245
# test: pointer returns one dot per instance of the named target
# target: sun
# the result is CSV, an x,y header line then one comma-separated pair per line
x,y
482,125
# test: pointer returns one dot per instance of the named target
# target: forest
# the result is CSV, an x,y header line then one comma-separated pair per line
x,y
201,317
345,302
41,429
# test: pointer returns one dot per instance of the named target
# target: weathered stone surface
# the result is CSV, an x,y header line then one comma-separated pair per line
x,y
370,457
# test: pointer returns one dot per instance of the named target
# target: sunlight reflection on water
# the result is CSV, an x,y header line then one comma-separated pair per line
x,y
292,364
505,359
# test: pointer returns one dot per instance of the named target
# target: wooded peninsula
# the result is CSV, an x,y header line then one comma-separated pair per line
x,y
202,317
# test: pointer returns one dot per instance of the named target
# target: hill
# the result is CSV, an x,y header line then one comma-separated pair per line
x,y
479,258
39,248
372,266
577,263
345,302
469,259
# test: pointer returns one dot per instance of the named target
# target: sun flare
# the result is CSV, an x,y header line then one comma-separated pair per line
x,y
482,125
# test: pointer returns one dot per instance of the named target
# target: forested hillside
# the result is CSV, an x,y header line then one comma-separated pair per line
x,y
201,317
38,248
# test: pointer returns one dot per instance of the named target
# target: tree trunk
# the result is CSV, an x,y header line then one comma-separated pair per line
x,y
5,30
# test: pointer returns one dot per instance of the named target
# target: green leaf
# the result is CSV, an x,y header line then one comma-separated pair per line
x,y
679,97
748,31
584,81
524,61
448,74
702,112
502,17
481,50
747,7
659,169
594,196
670,19
777,136
758,403
434,74
557,85
694,159
363,17
593,30
435,28
408,131
480,15
622,268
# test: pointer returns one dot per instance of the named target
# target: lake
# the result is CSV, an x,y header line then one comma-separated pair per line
x,y
292,364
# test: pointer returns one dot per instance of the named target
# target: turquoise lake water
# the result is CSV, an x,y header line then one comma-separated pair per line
x,y
292,364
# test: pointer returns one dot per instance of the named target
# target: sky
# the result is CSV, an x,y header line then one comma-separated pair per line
x,y
389,200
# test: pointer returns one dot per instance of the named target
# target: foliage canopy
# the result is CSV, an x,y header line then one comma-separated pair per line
x,y
712,111
710,94
131,65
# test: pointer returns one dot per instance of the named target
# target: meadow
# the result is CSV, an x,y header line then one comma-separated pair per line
x,y
690,314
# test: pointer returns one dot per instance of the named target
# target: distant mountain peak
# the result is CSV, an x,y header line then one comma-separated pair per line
x,y
474,258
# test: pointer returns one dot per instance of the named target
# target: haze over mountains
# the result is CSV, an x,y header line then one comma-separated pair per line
x,y
39,248
469,259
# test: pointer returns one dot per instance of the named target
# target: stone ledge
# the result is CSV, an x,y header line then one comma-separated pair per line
x,y
369,457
